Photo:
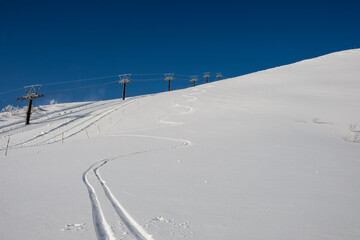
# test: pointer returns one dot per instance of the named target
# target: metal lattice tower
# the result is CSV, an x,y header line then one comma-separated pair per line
x,y
194,79
31,93
124,79
206,76
169,77
219,75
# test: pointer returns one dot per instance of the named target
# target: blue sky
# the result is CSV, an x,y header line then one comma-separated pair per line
x,y
57,41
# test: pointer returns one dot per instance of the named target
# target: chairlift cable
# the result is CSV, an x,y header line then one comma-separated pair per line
x,y
79,80
10,91
80,88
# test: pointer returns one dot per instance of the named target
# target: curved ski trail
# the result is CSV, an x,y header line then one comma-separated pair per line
x,y
129,222
102,228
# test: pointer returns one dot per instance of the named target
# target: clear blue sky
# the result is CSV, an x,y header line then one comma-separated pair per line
x,y
53,41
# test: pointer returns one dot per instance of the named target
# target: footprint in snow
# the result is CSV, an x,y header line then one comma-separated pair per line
x,y
74,227
162,227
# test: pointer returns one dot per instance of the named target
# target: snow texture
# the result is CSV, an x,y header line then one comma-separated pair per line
x,y
269,155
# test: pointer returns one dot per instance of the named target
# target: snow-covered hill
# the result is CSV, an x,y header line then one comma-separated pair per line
x,y
269,155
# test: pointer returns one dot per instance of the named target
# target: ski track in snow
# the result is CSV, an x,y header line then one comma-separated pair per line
x,y
102,228
100,224
189,110
51,116
69,131
129,222
18,125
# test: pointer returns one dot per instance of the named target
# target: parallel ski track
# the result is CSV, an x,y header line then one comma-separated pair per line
x,y
18,125
52,116
82,126
87,123
102,228
99,222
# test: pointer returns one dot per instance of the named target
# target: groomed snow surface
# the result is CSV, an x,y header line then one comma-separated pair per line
x,y
270,155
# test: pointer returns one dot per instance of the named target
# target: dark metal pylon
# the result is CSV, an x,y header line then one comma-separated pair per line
x,y
124,78
169,77
32,92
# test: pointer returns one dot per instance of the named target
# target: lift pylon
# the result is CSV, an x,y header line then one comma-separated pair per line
x,y
194,79
206,76
169,77
124,79
31,93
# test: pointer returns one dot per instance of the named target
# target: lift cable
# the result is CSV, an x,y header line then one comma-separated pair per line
x,y
80,88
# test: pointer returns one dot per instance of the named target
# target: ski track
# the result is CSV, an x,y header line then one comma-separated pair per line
x,y
49,117
21,122
91,121
102,228
58,137
189,110
99,221
135,228
129,222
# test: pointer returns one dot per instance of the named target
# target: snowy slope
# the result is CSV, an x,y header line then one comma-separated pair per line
x,y
269,155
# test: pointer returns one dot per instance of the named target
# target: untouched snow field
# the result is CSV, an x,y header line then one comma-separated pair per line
x,y
270,155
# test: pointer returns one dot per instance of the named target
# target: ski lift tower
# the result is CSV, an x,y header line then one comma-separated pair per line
x,y
31,93
124,79
206,76
194,79
169,77
219,75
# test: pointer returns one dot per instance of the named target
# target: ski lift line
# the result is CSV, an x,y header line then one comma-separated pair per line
x,y
147,74
80,88
97,78
183,75
10,91
108,83
147,80
79,80
159,74
157,79
64,82
104,77
154,79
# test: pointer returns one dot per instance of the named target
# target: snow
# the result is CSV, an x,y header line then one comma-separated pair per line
x,y
269,155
